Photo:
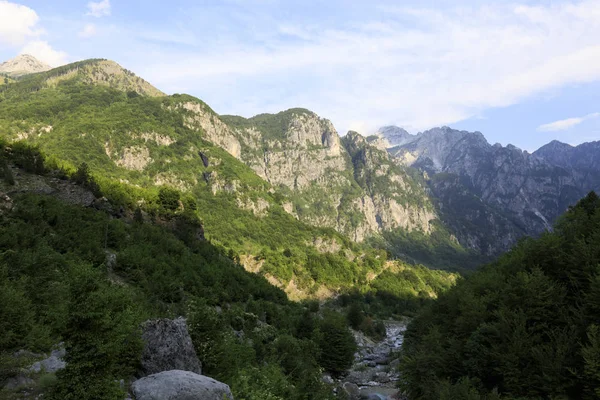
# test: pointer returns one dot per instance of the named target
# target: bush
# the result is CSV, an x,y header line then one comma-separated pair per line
x,y
7,174
355,316
83,177
28,157
336,343
168,198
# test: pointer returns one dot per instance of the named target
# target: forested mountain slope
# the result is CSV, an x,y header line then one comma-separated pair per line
x,y
78,268
524,327
273,189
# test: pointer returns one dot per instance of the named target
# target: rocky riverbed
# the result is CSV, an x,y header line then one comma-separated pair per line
x,y
374,373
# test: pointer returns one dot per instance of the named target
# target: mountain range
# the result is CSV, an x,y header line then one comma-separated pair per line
x,y
443,197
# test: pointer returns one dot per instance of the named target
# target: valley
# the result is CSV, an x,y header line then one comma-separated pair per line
x,y
273,236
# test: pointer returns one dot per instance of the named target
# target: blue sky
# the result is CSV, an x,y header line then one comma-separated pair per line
x,y
523,72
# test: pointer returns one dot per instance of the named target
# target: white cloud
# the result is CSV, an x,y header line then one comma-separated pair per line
x,y
99,8
564,124
88,31
18,23
414,67
20,28
45,53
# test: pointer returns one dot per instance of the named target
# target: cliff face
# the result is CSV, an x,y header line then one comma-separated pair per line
x,y
582,161
308,153
392,197
346,184
519,193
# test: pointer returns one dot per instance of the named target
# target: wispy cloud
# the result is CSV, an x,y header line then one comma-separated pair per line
x,y
88,31
99,8
565,124
414,67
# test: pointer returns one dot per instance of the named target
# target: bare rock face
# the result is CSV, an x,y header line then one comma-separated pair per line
x,y
199,116
6,203
307,152
299,151
22,65
503,192
392,199
179,385
168,346
582,161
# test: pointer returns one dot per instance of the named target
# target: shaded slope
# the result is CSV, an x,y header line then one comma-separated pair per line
x,y
512,329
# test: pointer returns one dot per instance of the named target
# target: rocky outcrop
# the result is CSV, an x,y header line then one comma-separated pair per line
x,y
168,346
394,136
179,385
170,367
350,185
134,158
200,116
306,151
25,381
392,199
55,362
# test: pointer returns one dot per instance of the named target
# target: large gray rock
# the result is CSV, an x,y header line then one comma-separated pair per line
x,y
168,346
53,363
18,382
179,385
352,391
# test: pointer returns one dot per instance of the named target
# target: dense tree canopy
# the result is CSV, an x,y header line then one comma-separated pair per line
x,y
523,327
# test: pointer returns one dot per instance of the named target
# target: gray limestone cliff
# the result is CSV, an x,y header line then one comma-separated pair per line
x,y
517,193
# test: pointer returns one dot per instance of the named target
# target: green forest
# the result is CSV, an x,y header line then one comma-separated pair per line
x,y
523,327
89,277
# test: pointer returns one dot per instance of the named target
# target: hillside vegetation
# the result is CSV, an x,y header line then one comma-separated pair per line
x,y
90,277
136,142
524,327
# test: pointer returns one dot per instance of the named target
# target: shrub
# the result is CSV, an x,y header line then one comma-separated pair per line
x,y
336,343
168,198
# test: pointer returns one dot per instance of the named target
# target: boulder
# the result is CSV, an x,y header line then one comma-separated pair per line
x,y
381,377
53,363
360,377
326,378
18,382
351,390
179,385
6,203
168,346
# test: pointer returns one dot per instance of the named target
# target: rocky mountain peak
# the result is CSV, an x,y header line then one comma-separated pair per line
x,y
354,137
395,136
23,64
109,73
553,148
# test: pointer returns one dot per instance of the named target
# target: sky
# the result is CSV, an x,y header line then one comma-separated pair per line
x,y
524,72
